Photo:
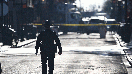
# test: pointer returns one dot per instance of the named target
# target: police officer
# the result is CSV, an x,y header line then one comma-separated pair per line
x,y
45,41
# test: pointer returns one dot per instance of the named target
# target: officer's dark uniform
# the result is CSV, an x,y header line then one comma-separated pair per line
x,y
45,41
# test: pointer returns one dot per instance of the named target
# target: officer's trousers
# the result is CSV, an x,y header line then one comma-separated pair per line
x,y
50,57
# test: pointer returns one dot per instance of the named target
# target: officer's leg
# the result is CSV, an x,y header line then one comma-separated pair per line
x,y
51,64
44,64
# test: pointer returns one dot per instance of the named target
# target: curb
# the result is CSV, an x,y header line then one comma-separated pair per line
x,y
27,43
1,50
128,58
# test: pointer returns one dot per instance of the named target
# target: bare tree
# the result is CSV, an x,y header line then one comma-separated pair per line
x,y
80,9
93,7
107,6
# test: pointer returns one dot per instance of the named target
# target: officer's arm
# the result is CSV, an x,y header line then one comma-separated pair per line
x,y
58,42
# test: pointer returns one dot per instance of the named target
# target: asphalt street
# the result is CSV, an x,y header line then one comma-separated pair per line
x,y
72,39
82,54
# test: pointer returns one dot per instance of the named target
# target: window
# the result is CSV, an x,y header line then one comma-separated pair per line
x,y
94,21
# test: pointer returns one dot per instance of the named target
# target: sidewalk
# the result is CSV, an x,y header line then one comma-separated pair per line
x,y
26,42
20,44
128,52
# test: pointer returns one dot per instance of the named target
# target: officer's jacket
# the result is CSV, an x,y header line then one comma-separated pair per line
x,y
46,40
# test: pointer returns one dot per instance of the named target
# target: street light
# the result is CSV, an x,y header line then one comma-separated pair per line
x,y
111,8
65,3
123,2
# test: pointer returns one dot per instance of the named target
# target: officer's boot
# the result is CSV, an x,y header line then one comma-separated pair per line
x,y
50,71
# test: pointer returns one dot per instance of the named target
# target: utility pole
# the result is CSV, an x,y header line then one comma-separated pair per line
x,y
1,19
21,26
126,11
1,22
113,4
126,33
119,17
40,10
8,16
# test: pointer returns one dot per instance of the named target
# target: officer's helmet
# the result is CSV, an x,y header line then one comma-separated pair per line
x,y
47,24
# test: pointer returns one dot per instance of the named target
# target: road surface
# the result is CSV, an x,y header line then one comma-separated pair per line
x,y
82,54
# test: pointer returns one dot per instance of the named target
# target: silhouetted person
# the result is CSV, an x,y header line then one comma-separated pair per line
x,y
45,41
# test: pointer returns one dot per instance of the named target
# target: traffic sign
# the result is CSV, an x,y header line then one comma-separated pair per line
x,y
5,9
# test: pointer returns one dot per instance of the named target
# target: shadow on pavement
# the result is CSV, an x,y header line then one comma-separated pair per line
x,y
73,38
95,38
94,35
129,67
104,53
64,34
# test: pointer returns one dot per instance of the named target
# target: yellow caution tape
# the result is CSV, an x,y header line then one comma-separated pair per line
x,y
81,24
38,24
85,24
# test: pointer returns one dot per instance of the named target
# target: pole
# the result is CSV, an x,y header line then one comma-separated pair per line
x,y
127,28
114,10
8,18
1,21
41,13
126,11
21,27
119,15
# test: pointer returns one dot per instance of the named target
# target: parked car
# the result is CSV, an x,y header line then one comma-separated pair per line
x,y
95,28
